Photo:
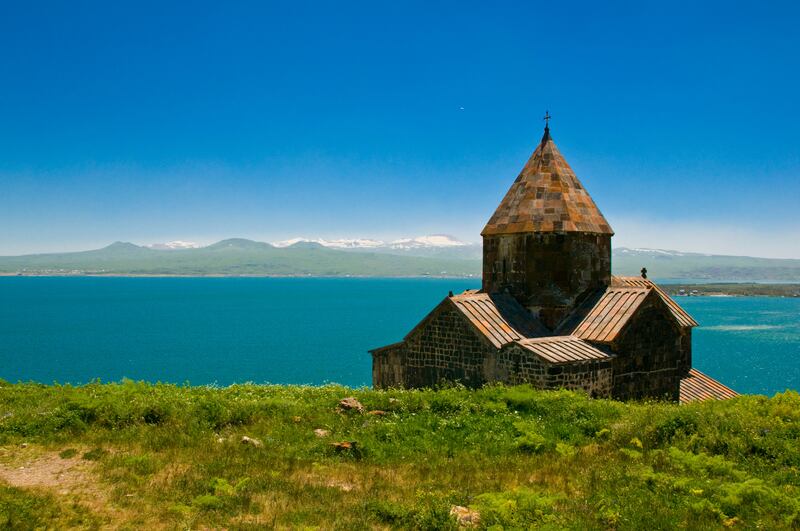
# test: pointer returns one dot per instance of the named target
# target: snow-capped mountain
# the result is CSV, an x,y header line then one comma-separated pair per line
x,y
642,251
360,243
174,245
438,245
433,240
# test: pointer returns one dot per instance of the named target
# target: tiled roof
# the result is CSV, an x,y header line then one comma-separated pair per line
x,y
562,349
547,197
386,347
499,317
609,315
697,386
684,319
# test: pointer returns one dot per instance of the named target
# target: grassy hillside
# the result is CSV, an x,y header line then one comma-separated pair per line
x,y
159,456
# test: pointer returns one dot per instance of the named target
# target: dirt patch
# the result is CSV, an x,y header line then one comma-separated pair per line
x,y
71,479
49,471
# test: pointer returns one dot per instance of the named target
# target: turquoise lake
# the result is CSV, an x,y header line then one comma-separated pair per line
x,y
305,330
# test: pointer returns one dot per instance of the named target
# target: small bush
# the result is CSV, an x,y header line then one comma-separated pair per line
x,y
68,453
208,502
142,465
388,512
530,440
682,423
519,508
95,454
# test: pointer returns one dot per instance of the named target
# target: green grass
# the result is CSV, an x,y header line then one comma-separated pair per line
x,y
171,456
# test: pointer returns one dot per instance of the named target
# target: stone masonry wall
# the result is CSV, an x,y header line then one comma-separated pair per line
x,y
547,272
650,358
515,365
445,348
593,377
685,364
388,366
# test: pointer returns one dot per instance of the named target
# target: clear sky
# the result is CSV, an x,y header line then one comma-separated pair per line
x,y
156,121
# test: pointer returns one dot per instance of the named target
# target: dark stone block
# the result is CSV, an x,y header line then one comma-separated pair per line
x,y
548,271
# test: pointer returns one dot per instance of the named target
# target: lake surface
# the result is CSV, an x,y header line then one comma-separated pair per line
x,y
304,330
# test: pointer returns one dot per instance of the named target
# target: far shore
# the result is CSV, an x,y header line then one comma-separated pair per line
x,y
224,275
708,289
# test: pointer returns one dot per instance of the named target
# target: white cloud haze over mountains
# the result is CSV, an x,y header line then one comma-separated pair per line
x,y
430,241
707,238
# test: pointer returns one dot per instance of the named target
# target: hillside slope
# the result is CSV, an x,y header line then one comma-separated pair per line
x,y
137,455
246,257
704,267
236,257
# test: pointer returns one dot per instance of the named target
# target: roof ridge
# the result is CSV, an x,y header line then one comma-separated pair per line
x,y
610,313
683,317
499,318
468,294
549,339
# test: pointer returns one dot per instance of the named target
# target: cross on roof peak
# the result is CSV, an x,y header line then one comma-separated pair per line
x,y
546,119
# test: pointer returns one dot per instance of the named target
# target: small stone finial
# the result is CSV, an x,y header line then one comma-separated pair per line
x,y
644,272
546,119
450,293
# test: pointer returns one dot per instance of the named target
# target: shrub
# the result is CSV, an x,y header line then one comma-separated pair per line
x,y
208,502
68,453
142,465
95,454
518,508
388,512
530,440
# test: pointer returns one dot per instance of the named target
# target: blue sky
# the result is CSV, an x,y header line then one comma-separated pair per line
x,y
150,122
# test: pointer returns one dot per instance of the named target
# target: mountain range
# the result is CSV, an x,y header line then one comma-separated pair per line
x,y
437,255
236,256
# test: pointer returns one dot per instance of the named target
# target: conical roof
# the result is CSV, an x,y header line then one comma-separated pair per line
x,y
547,197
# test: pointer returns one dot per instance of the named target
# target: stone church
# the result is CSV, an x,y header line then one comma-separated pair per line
x,y
549,312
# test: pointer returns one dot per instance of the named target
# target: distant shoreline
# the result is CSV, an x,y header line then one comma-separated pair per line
x,y
224,275
733,289
708,289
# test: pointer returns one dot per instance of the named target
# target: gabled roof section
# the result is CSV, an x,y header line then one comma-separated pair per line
x,y
386,348
698,386
563,349
611,313
547,197
498,317
684,319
